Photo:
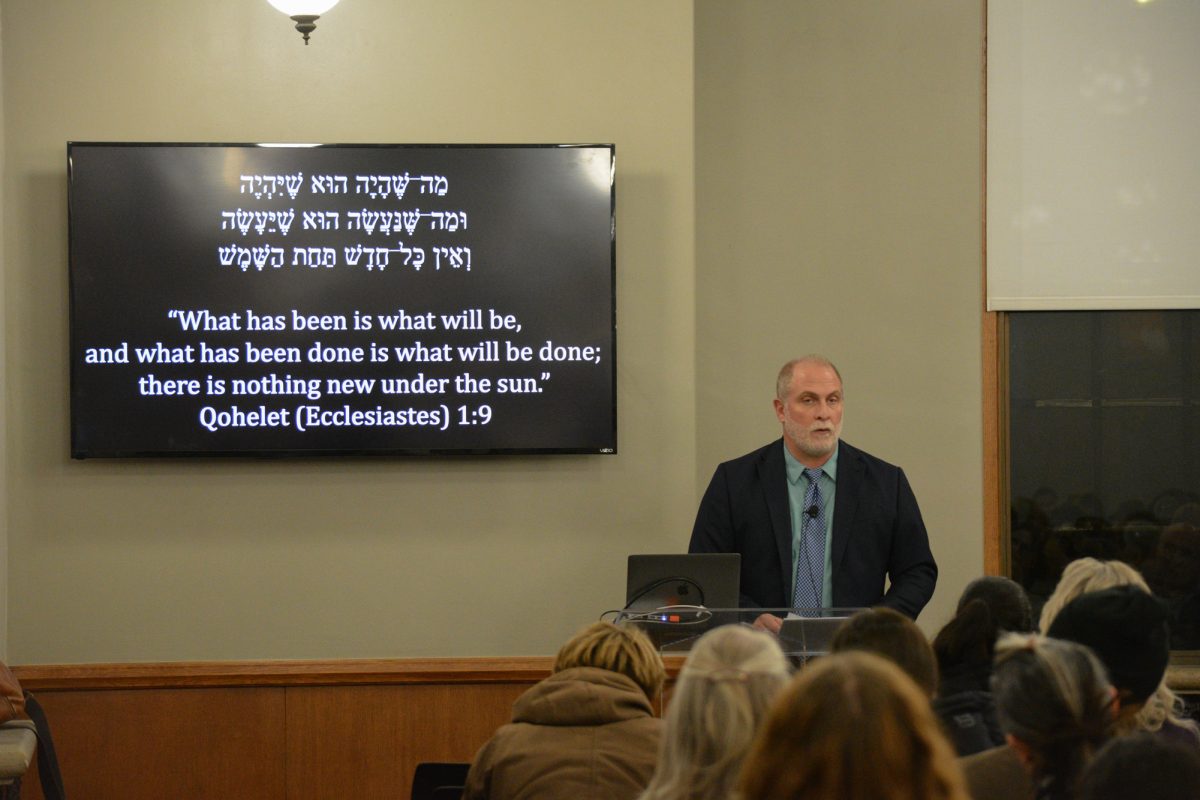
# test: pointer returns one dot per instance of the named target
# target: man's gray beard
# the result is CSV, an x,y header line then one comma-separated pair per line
x,y
805,444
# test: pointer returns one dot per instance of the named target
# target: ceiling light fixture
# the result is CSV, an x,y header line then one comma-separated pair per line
x,y
304,12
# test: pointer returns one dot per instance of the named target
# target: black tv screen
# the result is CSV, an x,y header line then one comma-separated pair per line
x,y
240,299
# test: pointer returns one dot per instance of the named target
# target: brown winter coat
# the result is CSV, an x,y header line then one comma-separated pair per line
x,y
582,734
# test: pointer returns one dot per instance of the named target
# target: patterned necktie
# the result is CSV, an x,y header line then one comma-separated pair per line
x,y
810,566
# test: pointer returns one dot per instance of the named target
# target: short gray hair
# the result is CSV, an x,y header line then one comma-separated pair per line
x,y
784,380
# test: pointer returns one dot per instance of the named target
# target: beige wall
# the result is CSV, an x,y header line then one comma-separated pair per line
x,y
837,153
161,560
3,410
838,186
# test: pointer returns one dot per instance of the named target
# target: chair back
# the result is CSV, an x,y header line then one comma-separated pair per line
x,y
438,780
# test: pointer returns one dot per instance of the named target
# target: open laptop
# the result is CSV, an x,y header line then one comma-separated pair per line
x,y
709,580
670,596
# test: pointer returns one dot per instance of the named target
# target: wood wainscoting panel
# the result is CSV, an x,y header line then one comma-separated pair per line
x,y
167,743
366,741
269,730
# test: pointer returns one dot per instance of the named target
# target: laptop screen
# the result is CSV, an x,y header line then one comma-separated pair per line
x,y
711,580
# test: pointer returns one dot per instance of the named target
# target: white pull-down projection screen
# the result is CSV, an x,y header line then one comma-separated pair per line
x,y
1093,154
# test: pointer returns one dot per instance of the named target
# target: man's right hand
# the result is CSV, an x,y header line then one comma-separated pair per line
x,y
768,622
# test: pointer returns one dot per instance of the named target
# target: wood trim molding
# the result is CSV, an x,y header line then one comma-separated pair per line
x,y
1184,675
364,672
192,674
993,475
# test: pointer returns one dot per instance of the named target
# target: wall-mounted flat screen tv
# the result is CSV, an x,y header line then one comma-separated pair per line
x,y
242,299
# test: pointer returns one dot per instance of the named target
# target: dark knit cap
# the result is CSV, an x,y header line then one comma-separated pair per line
x,y
1127,629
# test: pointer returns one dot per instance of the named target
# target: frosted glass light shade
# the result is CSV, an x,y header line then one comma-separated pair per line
x,y
295,8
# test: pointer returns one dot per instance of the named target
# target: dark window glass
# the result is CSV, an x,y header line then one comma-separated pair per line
x,y
1104,412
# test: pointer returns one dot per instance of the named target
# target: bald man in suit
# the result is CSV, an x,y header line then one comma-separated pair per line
x,y
818,523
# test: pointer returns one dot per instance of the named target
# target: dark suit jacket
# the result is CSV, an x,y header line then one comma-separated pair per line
x,y
877,531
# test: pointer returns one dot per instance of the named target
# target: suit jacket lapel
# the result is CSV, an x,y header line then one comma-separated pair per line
x,y
850,471
773,478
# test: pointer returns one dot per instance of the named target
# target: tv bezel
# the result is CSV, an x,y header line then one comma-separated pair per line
x,y
348,452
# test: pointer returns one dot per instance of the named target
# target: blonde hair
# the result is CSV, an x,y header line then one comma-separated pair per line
x,y
1085,575
625,650
723,694
852,726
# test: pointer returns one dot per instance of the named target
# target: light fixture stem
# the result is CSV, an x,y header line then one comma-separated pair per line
x,y
306,24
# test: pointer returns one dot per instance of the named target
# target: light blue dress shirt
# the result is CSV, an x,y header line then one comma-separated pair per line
x,y
797,488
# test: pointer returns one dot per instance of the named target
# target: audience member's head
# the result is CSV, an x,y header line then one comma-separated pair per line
x,y
720,700
851,726
1174,568
987,608
1087,575
1126,628
1055,705
890,634
1005,598
623,649
1142,765
1090,575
